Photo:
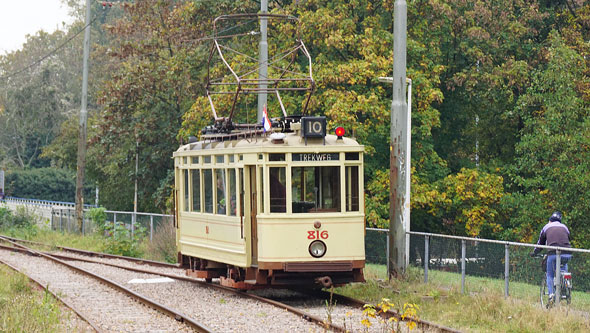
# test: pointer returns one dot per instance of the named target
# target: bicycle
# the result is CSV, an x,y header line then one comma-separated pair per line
x,y
565,282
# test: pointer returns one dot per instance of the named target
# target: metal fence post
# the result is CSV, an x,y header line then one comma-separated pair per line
x,y
114,224
463,266
557,279
60,220
152,228
506,269
387,255
426,258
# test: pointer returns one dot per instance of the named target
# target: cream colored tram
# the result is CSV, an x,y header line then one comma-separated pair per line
x,y
271,210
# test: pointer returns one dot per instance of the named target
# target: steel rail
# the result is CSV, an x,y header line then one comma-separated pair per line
x,y
46,288
304,315
97,254
149,302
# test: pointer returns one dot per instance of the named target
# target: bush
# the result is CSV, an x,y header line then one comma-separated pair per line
x,y
20,224
99,218
44,183
120,241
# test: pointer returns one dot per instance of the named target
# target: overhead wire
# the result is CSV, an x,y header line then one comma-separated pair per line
x,y
38,61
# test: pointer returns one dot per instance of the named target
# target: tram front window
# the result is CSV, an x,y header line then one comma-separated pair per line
x,y
315,189
278,190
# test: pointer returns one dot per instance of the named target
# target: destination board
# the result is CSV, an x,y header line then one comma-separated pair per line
x,y
316,157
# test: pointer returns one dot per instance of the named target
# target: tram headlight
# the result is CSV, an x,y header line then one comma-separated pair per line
x,y
317,249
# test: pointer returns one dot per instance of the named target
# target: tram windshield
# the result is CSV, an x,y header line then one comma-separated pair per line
x,y
315,189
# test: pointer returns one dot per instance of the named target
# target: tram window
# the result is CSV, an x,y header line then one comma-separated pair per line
x,y
315,189
184,160
220,188
219,159
208,189
352,188
195,159
276,157
242,191
278,189
231,158
351,156
207,159
186,190
196,179
261,182
232,192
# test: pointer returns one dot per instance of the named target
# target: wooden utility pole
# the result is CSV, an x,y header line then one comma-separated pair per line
x,y
82,126
398,154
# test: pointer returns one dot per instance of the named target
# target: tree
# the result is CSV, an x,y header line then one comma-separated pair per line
x,y
555,143
157,75
35,99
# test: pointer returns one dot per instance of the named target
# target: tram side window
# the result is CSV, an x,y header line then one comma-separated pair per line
x,y
221,206
352,188
278,189
261,182
196,179
315,189
232,192
208,189
242,191
186,190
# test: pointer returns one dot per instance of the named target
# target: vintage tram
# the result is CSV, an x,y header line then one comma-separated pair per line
x,y
281,205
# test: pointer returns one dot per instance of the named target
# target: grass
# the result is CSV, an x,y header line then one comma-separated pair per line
x,y
482,309
24,309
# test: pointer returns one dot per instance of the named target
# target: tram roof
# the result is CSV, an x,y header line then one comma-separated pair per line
x,y
263,143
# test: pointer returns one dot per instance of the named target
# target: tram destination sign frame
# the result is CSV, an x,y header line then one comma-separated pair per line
x,y
313,127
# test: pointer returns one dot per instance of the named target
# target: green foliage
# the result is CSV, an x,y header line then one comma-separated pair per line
x,y
43,183
467,203
99,218
20,223
554,147
121,242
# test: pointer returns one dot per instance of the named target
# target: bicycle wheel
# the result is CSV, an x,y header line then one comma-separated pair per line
x,y
567,292
544,294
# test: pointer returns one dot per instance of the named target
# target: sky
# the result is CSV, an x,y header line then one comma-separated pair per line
x,y
19,18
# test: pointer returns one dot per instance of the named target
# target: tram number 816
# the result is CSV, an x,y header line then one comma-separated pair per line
x,y
315,234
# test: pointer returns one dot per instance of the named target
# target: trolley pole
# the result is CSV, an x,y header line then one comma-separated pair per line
x,y
82,127
398,140
262,60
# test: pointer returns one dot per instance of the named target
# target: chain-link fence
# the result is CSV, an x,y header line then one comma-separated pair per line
x,y
469,264
64,220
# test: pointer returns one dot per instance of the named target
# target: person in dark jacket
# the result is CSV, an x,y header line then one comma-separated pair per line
x,y
554,233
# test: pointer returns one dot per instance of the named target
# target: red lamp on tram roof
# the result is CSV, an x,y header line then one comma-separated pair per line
x,y
340,132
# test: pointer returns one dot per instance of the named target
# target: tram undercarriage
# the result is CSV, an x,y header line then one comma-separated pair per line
x,y
277,274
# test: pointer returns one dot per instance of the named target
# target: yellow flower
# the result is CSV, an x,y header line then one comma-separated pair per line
x,y
366,322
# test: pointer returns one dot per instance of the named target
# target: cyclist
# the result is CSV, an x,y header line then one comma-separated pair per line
x,y
554,233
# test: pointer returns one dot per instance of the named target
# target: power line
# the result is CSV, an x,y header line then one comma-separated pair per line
x,y
48,54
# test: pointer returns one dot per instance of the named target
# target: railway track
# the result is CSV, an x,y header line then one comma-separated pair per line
x,y
345,315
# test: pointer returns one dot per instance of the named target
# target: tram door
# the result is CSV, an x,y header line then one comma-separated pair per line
x,y
253,213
